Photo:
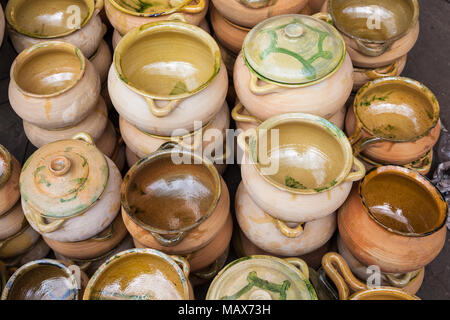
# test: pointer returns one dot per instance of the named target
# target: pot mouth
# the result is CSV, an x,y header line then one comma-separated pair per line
x,y
48,69
158,273
47,19
167,60
5,166
406,108
374,21
145,8
383,293
312,154
166,197
49,279
403,201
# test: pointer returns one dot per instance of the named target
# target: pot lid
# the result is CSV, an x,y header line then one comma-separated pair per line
x,y
150,7
261,278
64,178
5,165
293,49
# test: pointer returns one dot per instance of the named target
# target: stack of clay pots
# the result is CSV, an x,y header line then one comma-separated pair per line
x,y
378,34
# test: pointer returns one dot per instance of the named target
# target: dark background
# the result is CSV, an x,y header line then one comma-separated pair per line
x,y
428,63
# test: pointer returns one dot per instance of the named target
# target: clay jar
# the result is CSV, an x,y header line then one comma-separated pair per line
x,y
135,269
19,243
303,174
39,250
12,221
127,15
34,21
312,74
9,180
101,59
339,272
156,106
396,246
2,25
397,120
70,190
53,104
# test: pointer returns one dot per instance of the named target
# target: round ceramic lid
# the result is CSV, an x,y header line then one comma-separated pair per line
x,y
64,178
261,278
293,49
151,7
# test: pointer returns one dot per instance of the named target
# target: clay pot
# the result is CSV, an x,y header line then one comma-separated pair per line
x,y
283,183
316,5
248,13
339,272
53,104
9,180
398,137
268,83
19,242
78,191
394,246
57,21
2,27
37,251
140,104
102,59
12,221
206,274
131,265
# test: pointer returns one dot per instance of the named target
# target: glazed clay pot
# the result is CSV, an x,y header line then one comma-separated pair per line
x,y
53,104
316,5
142,104
9,180
385,243
124,19
268,83
248,13
19,242
38,251
78,191
397,137
12,221
283,183
24,17
277,237
101,59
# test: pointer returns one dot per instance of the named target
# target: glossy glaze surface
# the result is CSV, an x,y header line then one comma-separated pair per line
x,y
150,7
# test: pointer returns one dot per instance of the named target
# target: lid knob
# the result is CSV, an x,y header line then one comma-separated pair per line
x,y
59,165
260,295
293,30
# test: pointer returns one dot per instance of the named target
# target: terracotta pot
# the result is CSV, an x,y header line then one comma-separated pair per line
x,y
132,158
141,105
375,240
339,272
12,221
132,265
19,242
2,25
78,191
248,13
37,251
102,59
9,180
279,237
268,83
316,5
284,184
397,137
209,272
24,17
53,104
228,58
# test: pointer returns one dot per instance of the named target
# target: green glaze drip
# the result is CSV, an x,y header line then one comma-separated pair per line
x,y
292,183
179,88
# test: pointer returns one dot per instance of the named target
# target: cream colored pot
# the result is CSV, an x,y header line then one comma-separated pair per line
x,y
53,104
9,180
56,19
101,59
160,107
12,221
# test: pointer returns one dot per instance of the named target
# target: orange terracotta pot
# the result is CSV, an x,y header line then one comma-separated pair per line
x,y
9,180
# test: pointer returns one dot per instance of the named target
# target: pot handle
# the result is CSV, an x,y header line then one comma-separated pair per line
x,y
359,173
324,17
198,139
107,236
300,264
373,50
338,271
241,139
363,143
168,145
194,8
38,220
84,136
237,116
98,5
224,156
184,264
288,231
261,90
177,16
400,281
388,71
168,242
161,112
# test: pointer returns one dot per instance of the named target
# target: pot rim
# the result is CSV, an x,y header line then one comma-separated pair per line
x,y
10,10
6,174
412,24
174,27
412,84
166,150
141,14
24,55
390,291
35,264
135,252
415,177
327,127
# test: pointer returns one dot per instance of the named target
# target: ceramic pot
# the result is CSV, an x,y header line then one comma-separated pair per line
x,y
37,251
132,265
339,272
398,137
284,175
228,58
111,144
4,274
278,237
57,21
19,242
139,103
53,104
9,180
248,13
396,246
70,190
102,59
269,83
316,5
94,247
205,275
265,278
2,27
12,221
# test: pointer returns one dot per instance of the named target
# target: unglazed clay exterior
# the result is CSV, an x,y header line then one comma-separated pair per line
x,y
101,60
9,192
18,243
11,222
38,251
2,25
